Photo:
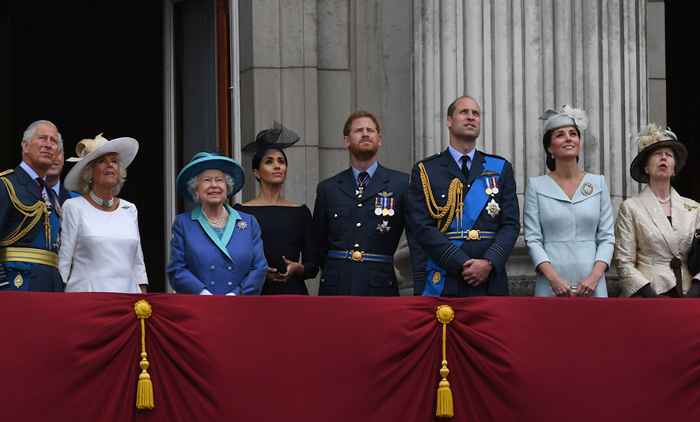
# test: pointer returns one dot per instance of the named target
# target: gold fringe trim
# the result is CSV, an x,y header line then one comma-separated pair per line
x,y
453,206
144,388
444,407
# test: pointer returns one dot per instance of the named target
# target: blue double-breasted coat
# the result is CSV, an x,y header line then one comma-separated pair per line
x,y
200,259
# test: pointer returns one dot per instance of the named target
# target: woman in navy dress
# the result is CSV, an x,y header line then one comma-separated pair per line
x,y
214,248
290,249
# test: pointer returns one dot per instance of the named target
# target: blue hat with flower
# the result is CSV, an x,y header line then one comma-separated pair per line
x,y
203,161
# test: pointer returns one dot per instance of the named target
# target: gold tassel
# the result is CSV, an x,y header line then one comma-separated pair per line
x,y
144,388
444,407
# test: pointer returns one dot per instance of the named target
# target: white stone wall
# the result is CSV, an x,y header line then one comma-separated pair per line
x,y
309,63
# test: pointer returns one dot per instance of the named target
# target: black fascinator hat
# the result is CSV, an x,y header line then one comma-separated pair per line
x,y
278,137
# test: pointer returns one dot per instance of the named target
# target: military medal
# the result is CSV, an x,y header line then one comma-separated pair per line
x,y
384,204
383,227
587,189
492,190
493,208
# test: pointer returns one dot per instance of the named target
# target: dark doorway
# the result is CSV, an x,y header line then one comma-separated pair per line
x,y
91,67
683,89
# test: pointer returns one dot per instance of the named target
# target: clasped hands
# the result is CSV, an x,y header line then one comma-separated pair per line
x,y
293,268
476,271
586,287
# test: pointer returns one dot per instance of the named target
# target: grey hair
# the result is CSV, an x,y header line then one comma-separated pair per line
x,y
31,130
85,179
193,183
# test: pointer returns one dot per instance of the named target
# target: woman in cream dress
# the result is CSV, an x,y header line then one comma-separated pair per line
x,y
568,215
100,243
655,228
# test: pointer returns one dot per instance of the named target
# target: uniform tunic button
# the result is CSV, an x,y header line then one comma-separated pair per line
x,y
335,215
359,205
230,283
357,245
358,224
212,283
229,267
469,186
212,267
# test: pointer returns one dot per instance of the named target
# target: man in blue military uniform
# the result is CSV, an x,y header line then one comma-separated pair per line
x,y
359,217
463,213
29,215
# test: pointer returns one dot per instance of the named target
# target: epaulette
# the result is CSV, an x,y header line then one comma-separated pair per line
x,y
6,172
494,155
431,158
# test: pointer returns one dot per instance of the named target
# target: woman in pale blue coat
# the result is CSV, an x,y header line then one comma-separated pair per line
x,y
215,250
568,216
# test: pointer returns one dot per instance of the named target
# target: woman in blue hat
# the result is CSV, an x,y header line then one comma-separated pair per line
x,y
568,215
215,250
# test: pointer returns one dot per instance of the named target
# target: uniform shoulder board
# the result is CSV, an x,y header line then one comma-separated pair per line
x,y
432,157
6,172
493,155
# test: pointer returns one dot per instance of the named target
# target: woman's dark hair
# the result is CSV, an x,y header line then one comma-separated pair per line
x,y
547,142
267,138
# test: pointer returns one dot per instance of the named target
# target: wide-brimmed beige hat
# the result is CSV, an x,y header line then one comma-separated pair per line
x,y
88,150
651,138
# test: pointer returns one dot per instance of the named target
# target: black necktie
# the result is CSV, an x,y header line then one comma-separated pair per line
x,y
53,198
465,166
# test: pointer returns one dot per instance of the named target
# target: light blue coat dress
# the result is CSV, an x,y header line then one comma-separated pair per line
x,y
571,234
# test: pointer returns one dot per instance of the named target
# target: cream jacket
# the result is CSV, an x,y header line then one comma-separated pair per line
x,y
646,241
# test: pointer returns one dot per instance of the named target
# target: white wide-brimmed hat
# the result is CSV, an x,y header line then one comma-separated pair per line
x,y
88,150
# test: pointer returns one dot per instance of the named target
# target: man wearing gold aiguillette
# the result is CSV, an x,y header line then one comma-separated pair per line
x,y
29,215
462,212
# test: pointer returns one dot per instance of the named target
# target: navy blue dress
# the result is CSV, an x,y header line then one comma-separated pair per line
x,y
288,232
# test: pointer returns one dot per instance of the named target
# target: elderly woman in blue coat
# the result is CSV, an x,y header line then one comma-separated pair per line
x,y
215,250
568,214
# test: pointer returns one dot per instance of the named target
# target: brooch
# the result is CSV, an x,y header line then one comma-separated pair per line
x,y
587,189
242,225
690,207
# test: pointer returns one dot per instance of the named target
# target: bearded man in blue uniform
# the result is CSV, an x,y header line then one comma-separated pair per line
x,y
359,217
30,215
462,213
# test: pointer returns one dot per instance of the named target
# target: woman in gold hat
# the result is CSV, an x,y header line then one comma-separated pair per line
x,y
655,229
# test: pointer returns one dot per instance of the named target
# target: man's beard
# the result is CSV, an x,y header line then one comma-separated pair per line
x,y
363,154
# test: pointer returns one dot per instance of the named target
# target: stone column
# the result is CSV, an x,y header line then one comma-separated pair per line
x,y
279,81
519,58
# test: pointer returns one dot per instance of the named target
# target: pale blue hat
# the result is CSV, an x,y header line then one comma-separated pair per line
x,y
203,161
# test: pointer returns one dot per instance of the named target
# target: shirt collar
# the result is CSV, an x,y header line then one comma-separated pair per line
x,y
370,170
57,188
30,171
457,155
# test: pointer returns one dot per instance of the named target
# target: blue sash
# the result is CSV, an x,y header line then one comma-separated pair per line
x,y
474,202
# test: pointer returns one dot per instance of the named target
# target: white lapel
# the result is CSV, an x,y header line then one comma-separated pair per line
x,y
668,232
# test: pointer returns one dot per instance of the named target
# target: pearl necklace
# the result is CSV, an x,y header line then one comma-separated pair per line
x,y
104,203
219,221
